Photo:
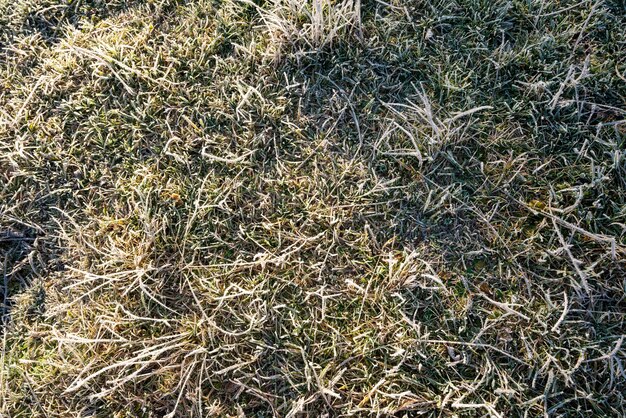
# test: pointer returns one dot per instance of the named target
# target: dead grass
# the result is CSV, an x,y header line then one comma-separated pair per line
x,y
308,208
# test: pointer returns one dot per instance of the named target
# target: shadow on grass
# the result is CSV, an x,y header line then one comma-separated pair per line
x,y
16,265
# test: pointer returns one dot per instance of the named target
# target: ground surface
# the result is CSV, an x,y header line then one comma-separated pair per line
x,y
298,208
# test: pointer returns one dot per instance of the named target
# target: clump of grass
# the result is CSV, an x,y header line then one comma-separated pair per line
x,y
309,26
304,208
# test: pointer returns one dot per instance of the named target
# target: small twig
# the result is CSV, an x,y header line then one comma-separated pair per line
x,y
564,314
576,263
503,306
610,355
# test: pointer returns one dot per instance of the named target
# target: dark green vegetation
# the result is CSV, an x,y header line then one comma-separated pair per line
x,y
298,208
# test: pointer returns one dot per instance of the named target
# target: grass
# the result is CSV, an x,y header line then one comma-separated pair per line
x,y
307,208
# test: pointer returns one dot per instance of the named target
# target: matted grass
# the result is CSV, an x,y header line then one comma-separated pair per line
x,y
307,208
